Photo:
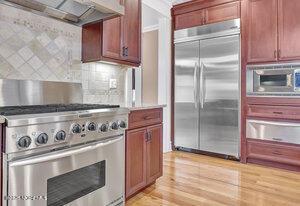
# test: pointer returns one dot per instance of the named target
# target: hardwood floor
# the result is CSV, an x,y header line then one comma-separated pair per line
x,y
191,179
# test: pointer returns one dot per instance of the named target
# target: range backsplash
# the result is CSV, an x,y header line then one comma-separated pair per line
x,y
40,48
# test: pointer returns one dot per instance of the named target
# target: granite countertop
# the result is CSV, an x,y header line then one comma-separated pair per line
x,y
2,119
146,106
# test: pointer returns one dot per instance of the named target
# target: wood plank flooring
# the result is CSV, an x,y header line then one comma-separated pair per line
x,y
195,180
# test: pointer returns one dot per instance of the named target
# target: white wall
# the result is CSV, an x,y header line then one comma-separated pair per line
x,y
163,8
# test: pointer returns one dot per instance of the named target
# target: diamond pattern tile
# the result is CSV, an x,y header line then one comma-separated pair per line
x,y
40,48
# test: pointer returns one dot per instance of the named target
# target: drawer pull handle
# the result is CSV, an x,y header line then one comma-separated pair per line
x,y
277,112
277,153
147,118
277,139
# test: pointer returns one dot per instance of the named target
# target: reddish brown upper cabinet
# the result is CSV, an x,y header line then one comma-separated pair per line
x,y
115,40
143,149
222,12
272,30
131,28
211,12
191,19
262,30
289,29
111,47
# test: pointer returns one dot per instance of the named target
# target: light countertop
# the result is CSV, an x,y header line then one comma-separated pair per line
x,y
146,106
2,119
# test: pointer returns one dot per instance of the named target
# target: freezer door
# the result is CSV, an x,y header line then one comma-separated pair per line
x,y
186,113
219,95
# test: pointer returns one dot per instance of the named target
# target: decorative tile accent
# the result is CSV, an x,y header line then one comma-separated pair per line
x,y
40,48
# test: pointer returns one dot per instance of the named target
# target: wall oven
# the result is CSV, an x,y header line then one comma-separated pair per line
x,y
279,80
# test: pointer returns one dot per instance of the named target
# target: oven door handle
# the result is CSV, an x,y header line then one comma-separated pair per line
x,y
62,154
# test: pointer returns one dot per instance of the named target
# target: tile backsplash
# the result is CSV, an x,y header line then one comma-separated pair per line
x,y
40,48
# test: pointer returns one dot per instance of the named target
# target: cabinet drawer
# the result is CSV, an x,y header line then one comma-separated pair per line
x,y
278,112
284,154
142,118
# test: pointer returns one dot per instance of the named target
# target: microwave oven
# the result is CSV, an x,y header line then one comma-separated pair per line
x,y
273,80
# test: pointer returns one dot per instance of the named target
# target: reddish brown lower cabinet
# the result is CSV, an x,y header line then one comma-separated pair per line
x,y
143,154
273,112
268,153
154,153
136,160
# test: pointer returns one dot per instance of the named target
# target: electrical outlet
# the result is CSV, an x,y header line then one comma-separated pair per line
x,y
112,83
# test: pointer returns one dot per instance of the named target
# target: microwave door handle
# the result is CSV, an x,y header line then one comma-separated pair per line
x,y
50,157
196,85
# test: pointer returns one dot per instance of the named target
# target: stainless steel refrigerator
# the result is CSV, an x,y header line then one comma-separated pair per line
x,y
207,88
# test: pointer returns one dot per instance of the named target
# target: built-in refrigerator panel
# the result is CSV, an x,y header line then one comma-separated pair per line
x,y
186,110
219,95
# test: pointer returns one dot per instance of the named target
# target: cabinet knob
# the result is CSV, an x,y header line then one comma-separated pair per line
x,y
124,51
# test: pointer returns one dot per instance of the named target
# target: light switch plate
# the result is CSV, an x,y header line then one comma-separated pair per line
x,y
112,83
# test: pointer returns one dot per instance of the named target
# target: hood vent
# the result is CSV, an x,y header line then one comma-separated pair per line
x,y
77,12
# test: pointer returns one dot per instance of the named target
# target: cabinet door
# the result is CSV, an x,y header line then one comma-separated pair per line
x,y
262,30
289,29
191,19
135,161
222,12
112,38
131,27
91,42
154,153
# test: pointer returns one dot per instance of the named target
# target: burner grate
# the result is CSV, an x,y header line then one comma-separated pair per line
x,y
51,108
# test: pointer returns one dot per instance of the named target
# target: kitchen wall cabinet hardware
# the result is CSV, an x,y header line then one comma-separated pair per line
x,y
208,15
143,150
115,40
272,30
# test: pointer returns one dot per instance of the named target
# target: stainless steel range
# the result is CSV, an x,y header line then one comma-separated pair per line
x,y
61,154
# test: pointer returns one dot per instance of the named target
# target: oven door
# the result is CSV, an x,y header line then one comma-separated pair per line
x,y
273,80
89,175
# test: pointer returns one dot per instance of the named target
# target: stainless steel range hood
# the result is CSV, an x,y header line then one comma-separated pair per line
x,y
77,12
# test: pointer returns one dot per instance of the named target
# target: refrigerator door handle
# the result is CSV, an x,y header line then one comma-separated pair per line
x,y
202,92
196,85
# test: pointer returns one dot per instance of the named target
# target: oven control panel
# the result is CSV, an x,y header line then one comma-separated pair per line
x,y
55,135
